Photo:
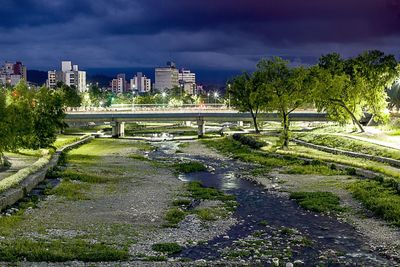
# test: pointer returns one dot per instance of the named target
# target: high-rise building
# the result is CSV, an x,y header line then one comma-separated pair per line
x,y
187,80
69,75
119,85
166,77
140,83
11,74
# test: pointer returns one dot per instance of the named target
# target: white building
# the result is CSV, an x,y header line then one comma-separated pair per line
x,y
140,83
166,77
69,75
11,74
187,80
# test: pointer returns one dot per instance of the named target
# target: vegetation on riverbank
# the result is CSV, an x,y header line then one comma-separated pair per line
x,y
323,202
348,144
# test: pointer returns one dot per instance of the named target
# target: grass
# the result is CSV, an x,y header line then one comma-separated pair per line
x,y
319,168
174,216
348,144
181,202
59,251
70,190
168,248
70,174
198,191
63,140
383,200
138,157
323,202
189,167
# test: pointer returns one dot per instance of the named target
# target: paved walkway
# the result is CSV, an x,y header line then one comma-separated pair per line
x,y
382,140
18,162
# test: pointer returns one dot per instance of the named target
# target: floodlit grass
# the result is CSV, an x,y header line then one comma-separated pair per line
x,y
168,248
59,251
323,202
382,200
305,152
321,169
191,166
348,144
63,140
70,190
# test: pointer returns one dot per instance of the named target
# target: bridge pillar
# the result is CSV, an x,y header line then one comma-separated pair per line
x,y
240,123
118,129
201,130
188,123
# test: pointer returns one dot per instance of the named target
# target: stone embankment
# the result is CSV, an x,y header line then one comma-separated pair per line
x,y
13,194
389,161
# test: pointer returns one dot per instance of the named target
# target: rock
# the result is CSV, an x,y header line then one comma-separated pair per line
x,y
225,237
289,264
298,262
275,262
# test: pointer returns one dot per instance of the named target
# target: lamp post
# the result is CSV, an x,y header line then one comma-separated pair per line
x,y
229,96
133,100
163,94
215,97
208,98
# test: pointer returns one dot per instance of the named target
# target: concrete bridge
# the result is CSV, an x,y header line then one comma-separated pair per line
x,y
117,117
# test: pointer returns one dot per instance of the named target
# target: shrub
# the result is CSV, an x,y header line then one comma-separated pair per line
x,y
248,141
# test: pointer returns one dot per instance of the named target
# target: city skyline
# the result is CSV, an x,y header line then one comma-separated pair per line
x,y
199,35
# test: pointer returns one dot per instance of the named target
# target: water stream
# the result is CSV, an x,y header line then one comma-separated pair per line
x,y
331,239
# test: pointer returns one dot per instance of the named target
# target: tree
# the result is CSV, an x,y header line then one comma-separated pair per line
x,y
247,95
4,130
48,115
394,96
288,89
348,88
70,94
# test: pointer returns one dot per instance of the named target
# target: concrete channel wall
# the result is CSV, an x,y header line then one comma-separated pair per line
x,y
389,161
12,195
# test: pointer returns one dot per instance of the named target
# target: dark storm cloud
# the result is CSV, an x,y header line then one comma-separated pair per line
x,y
207,33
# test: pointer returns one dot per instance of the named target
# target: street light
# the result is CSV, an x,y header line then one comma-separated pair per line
x,y
133,100
215,97
229,96
163,94
208,98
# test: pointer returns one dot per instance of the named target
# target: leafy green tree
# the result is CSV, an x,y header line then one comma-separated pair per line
x,y
48,115
248,95
288,89
348,88
394,96
4,129
70,94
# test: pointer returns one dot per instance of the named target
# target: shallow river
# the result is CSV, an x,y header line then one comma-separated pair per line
x,y
256,204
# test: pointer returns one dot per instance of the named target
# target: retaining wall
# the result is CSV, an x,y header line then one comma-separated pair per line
x,y
12,195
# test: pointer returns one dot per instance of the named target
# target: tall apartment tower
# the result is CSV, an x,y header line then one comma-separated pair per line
x,y
119,85
69,74
140,83
187,80
166,77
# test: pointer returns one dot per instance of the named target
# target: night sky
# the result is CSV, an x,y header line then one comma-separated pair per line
x,y
197,34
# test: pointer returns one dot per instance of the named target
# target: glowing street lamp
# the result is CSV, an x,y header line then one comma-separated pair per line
x,y
164,95
216,95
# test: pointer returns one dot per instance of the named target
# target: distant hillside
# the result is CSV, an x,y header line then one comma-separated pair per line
x,y
36,76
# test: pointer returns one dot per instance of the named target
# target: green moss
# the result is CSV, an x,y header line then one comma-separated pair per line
x,y
198,191
181,202
138,157
318,201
